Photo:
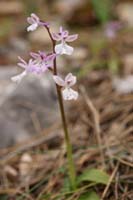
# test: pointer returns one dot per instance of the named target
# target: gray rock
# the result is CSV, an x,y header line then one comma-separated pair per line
x,y
11,132
31,106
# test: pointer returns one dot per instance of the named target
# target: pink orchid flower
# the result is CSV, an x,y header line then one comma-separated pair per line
x,y
70,80
43,60
34,22
64,37
29,67
112,28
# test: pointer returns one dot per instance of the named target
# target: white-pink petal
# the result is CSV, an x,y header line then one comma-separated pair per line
x,y
35,17
56,37
63,48
19,77
61,29
51,57
22,60
69,94
59,81
30,20
22,65
32,27
70,80
71,38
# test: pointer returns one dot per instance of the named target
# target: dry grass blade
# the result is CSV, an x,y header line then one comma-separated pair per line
x,y
109,182
95,115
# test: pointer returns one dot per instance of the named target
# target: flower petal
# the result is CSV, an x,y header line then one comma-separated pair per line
x,y
56,37
69,94
35,17
34,55
30,20
19,77
22,60
32,27
71,38
70,80
63,48
51,57
61,29
59,81
45,67
32,67
23,63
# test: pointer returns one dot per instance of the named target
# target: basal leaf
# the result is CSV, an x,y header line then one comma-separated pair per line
x,y
91,195
94,175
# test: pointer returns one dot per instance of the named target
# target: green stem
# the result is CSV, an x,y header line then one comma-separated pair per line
x,y
71,167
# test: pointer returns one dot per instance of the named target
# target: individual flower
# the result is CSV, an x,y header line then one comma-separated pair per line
x,y
43,60
70,80
63,36
34,22
29,67
112,28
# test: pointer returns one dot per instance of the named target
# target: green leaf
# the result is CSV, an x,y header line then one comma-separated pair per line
x,y
102,9
91,195
94,175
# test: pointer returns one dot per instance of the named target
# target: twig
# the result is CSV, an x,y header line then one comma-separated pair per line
x,y
116,186
123,161
95,115
109,182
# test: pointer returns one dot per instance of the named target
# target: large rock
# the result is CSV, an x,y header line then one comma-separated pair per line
x,y
30,107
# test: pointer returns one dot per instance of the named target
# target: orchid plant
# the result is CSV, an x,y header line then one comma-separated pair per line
x,y
41,62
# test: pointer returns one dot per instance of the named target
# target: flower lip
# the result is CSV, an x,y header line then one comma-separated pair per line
x,y
70,94
63,48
